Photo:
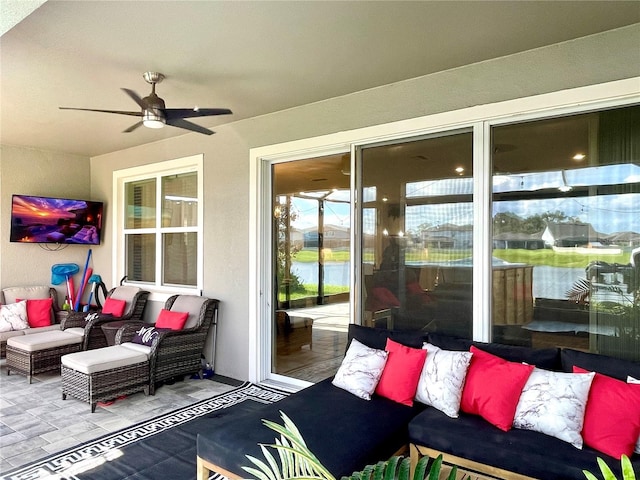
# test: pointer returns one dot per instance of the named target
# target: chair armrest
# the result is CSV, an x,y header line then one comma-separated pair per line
x,y
73,319
98,319
128,331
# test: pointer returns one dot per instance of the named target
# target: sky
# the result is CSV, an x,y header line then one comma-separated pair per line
x,y
44,210
608,214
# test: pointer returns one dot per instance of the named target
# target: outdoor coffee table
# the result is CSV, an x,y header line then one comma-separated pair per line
x,y
110,329
40,352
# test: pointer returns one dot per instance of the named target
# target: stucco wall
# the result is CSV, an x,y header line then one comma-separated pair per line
x,y
592,60
29,171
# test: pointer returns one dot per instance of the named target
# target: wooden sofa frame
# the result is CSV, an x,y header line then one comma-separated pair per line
x,y
476,470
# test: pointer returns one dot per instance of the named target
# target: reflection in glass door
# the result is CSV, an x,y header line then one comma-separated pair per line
x,y
417,232
566,222
311,264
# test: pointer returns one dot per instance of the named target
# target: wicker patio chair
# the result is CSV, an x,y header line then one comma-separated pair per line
x,y
176,353
94,337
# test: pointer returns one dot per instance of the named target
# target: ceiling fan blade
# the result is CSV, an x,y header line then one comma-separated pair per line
x,y
119,112
135,97
132,127
180,123
192,112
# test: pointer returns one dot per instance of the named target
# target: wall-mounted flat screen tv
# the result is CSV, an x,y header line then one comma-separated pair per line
x,y
55,220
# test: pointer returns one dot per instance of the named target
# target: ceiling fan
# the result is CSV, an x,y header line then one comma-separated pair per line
x,y
155,115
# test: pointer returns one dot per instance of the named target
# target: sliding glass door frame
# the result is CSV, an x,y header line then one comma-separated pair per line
x,y
261,331
479,118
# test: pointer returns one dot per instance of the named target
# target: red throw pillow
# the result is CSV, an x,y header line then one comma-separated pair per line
x,y
172,320
114,307
381,299
612,418
399,380
493,387
39,312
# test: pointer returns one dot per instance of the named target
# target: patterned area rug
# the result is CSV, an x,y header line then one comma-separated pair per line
x,y
163,447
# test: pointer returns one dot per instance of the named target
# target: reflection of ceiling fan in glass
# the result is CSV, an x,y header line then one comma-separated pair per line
x,y
155,115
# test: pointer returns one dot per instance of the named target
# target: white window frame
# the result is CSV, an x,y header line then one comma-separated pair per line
x,y
158,170
480,118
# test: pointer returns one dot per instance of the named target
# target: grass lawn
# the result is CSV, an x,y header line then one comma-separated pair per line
x,y
555,259
530,257
311,290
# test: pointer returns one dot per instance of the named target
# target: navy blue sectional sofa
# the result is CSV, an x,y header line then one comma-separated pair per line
x,y
346,433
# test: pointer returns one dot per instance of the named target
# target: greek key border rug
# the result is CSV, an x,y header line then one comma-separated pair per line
x,y
86,460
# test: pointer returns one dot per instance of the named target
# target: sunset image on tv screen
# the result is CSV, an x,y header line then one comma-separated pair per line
x,y
55,220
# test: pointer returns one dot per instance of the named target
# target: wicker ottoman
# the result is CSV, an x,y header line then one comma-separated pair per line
x,y
40,352
104,374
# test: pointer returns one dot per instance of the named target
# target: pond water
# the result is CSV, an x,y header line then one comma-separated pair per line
x,y
548,281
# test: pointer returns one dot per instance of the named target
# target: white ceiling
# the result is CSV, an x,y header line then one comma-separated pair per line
x,y
254,57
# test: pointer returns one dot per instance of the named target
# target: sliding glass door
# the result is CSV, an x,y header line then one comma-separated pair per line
x,y
417,231
311,262
566,222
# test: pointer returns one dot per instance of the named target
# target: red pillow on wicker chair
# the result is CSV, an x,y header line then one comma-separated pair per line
x,y
114,307
172,320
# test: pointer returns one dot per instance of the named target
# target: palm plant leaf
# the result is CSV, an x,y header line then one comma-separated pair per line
x,y
296,460
579,291
627,469
607,474
421,468
392,465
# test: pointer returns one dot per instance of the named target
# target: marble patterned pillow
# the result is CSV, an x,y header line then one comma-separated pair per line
x,y
442,379
13,316
360,370
554,403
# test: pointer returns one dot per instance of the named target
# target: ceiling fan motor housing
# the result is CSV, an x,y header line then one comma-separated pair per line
x,y
153,116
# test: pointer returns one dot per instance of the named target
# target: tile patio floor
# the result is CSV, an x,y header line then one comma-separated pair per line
x,y
35,421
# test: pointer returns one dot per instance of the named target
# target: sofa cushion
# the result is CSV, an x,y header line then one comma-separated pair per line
x,y
11,333
612,418
521,451
613,367
34,342
191,304
360,370
554,403
343,431
126,293
401,373
12,294
136,347
547,358
442,379
102,359
493,387
377,337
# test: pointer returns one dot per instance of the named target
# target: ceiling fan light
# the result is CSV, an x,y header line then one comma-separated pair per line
x,y
153,123
151,120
